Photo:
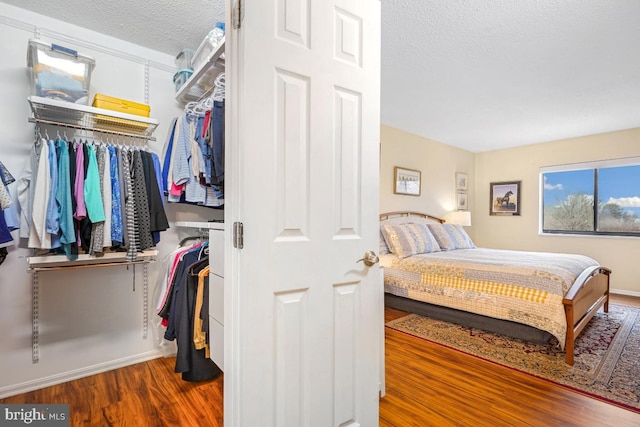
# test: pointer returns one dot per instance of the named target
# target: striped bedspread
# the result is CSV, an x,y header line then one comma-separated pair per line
x,y
524,287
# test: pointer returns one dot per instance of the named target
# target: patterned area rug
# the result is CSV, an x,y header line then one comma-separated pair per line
x,y
607,356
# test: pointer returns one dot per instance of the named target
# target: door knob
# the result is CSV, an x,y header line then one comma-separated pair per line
x,y
370,258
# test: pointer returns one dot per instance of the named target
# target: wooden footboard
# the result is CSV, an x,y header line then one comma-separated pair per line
x,y
588,293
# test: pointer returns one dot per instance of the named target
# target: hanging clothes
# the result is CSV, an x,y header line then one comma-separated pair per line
x,y
183,309
193,154
38,236
96,197
201,314
143,228
52,225
26,188
129,206
84,222
107,198
8,218
116,201
63,199
217,142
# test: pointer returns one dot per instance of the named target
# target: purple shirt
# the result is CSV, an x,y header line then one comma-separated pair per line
x,y
78,189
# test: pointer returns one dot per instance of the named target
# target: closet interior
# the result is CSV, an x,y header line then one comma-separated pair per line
x,y
120,179
193,285
191,171
77,282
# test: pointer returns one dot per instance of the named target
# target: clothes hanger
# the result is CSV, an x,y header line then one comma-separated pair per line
x,y
219,88
38,135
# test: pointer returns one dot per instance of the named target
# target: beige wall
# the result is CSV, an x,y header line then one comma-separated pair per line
x,y
521,232
438,164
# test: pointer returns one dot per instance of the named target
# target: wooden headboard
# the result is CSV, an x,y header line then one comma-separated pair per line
x,y
408,214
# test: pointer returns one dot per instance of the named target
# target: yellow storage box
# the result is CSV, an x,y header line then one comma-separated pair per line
x,y
121,105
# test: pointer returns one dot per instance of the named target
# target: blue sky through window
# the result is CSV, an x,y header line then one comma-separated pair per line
x,y
619,185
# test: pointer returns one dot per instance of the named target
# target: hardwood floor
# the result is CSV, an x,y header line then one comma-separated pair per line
x,y
427,385
144,394
430,385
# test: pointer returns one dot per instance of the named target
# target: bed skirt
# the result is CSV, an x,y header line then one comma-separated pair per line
x,y
503,327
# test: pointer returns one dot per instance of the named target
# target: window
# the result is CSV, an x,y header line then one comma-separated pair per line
x,y
601,198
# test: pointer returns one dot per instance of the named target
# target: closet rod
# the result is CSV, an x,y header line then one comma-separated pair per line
x,y
189,238
91,129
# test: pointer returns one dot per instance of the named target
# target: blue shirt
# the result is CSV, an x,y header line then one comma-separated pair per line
x,y
63,199
116,202
52,223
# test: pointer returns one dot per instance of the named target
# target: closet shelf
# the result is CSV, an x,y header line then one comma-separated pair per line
x,y
200,84
38,264
66,114
50,262
201,225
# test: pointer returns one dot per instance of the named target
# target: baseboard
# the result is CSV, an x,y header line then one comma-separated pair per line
x,y
63,377
623,292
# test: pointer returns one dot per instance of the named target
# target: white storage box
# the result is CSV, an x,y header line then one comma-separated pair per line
x,y
58,72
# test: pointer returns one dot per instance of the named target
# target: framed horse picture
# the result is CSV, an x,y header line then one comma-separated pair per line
x,y
504,198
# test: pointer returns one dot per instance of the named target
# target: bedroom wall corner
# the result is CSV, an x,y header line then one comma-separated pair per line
x,y
521,232
438,164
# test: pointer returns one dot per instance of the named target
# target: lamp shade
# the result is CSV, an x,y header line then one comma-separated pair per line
x,y
462,218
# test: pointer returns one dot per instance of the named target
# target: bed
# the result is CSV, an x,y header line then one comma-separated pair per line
x,y
435,269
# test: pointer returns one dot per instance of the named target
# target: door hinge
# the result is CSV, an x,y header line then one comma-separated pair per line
x,y
238,235
237,14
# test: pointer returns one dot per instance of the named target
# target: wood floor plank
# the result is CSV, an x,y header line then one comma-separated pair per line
x,y
426,384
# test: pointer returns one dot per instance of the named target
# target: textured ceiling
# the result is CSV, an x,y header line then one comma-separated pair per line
x,y
480,75
489,74
164,25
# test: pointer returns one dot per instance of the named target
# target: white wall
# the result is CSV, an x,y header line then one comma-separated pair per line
x,y
90,319
521,232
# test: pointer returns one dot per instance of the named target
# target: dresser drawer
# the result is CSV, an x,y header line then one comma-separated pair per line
x,y
216,252
216,342
216,297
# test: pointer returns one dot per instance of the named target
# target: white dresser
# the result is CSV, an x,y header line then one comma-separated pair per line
x,y
216,285
216,293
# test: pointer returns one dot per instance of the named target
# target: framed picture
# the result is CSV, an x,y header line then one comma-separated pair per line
x,y
461,201
406,181
462,181
504,198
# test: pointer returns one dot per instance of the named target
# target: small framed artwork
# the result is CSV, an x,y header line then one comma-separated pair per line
x,y
504,198
461,201
406,181
462,181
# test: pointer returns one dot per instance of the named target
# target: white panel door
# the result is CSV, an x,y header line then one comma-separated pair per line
x,y
302,315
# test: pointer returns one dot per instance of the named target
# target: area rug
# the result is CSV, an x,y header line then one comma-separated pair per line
x,y
607,356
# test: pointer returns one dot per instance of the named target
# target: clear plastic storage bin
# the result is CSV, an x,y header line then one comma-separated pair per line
x,y
208,45
184,59
181,77
58,72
